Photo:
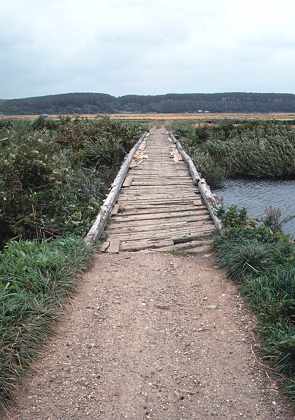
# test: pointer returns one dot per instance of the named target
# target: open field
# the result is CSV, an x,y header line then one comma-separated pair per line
x,y
171,117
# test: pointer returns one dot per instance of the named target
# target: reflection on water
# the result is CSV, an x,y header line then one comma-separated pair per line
x,y
255,196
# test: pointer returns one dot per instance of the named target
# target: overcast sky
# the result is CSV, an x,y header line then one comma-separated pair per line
x,y
146,46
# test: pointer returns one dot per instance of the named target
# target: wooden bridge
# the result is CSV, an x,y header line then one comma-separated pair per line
x,y
156,205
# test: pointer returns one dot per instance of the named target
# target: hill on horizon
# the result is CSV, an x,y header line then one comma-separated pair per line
x,y
93,103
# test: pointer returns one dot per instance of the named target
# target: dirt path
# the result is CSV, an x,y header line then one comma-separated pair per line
x,y
151,336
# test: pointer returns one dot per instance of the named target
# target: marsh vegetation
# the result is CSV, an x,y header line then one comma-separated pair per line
x,y
249,150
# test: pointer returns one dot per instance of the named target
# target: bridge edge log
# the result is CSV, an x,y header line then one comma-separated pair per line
x,y
206,193
98,226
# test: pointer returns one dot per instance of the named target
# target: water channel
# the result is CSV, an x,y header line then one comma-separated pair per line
x,y
256,195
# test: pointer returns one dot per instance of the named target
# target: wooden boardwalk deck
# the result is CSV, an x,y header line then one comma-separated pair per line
x,y
159,207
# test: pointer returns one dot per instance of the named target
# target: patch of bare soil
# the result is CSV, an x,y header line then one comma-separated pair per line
x,y
151,336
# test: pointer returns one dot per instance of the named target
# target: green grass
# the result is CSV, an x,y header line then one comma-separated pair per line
x,y
35,278
262,261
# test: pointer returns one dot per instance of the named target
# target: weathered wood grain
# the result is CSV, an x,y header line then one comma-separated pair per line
x,y
160,206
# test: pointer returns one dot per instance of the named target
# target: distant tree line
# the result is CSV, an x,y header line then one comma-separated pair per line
x,y
93,103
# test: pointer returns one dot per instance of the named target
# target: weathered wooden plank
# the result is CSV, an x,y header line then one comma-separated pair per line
x,y
158,216
104,246
152,196
171,177
145,244
128,181
162,188
159,201
172,167
196,226
180,235
114,246
160,181
160,191
139,201
163,182
160,170
188,219
130,211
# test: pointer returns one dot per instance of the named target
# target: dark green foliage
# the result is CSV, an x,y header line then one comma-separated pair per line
x,y
34,279
92,103
6,124
246,150
42,123
53,180
233,217
262,259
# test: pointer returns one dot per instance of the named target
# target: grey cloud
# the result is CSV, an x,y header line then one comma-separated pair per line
x,y
145,47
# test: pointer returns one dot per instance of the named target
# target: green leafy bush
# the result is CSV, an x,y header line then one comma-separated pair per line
x,y
53,181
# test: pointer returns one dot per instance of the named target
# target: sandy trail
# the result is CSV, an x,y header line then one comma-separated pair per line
x,y
151,336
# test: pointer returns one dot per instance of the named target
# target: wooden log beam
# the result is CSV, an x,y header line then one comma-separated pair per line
x,y
204,188
106,209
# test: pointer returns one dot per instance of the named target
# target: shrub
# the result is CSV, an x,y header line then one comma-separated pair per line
x,y
53,181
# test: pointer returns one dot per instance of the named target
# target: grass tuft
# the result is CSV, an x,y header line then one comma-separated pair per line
x,y
261,260
34,280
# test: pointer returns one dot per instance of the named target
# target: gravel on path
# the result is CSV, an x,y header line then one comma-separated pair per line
x,y
151,336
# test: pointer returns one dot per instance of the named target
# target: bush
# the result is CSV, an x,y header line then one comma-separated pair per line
x,y
233,217
53,182
42,123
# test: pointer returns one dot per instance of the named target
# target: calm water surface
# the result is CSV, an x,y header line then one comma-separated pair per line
x,y
255,196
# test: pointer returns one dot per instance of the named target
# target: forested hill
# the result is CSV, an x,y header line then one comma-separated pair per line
x,y
88,103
